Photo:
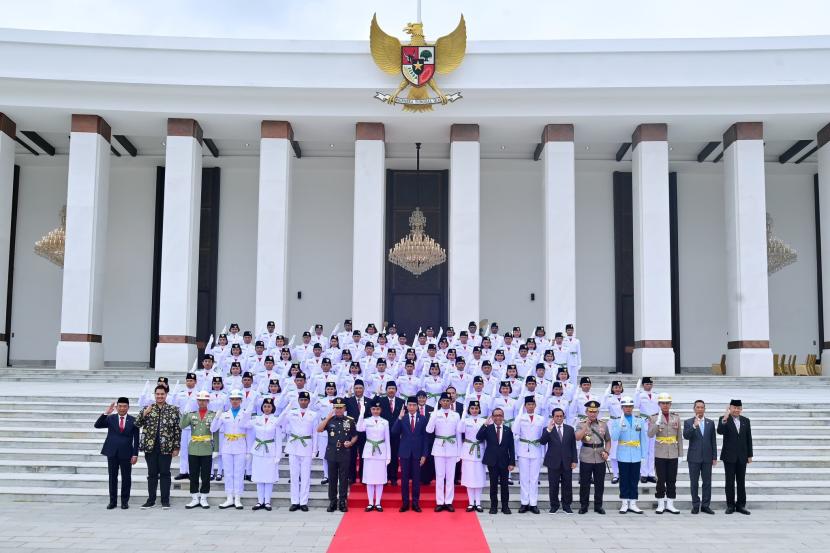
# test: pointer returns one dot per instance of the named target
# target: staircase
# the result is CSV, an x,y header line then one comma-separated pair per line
x,y
49,450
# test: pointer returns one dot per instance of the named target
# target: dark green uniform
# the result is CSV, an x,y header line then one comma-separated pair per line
x,y
339,430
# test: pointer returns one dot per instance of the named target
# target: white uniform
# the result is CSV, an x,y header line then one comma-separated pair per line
x,y
444,424
233,446
377,452
300,428
529,452
611,405
646,403
472,451
266,453
574,355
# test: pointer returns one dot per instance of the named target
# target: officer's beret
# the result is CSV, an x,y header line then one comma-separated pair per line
x,y
370,345
371,326
561,370
234,325
274,381
450,329
522,347
374,402
356,333
163,380
540,365
330,384
471,323
557,335
317,345
268,401
409,362
381,361
432,346
270,323
463,333
477,348
508,335
494,325
236,364
511,366
295,364
505,383
318,326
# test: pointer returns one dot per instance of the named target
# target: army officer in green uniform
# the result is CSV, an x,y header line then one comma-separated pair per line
x,y
203,444
342,435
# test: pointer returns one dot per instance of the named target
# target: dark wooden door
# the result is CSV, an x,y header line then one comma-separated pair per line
x,y
413,302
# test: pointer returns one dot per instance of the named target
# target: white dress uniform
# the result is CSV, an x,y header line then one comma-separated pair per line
x,y
484,401
433,385
508,405
300,428
527,430
611,405
185,400
408,384
266,452
204,378
574,355
462,381
233,447
646,403
472,451
445,448
377,452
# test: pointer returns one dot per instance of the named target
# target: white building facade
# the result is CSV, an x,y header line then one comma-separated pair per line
x,y
622,186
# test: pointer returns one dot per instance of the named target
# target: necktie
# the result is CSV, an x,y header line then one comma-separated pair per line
x,y
531,419
121,424
266,420
559,429
498,434
412,423
422,411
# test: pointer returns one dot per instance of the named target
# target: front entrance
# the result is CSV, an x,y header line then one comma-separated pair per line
x,y
412,302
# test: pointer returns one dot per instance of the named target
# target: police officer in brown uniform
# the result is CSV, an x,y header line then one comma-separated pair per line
x,y
668,449
596,446
342,435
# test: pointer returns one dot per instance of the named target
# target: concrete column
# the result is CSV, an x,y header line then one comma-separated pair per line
x,y
653,353
176,349
87,196
748,352
559,193
275,163
8,130
369,247
823,143
465,219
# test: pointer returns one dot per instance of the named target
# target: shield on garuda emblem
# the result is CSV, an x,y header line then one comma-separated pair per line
x,y
418,64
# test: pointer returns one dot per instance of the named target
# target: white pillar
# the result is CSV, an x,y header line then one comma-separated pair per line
x,y
87,195
823,143
369,250
559,193
176,349
748,352
8,130
464,233
275,162
653,353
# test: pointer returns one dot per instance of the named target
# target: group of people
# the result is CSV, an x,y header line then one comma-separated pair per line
x,y
378,409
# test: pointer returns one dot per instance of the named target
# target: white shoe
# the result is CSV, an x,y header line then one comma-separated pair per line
x,y
237,502
661,506
204,502
193,502
670,507
623,506
632,506
228,503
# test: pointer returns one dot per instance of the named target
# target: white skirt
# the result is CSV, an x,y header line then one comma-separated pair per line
x,y
264,470
374,471
472,474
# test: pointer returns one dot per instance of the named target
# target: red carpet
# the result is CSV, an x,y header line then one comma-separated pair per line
x,y
459,532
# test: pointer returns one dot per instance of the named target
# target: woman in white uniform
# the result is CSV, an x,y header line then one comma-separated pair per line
x,y
472,450
434,384
376,454
265,453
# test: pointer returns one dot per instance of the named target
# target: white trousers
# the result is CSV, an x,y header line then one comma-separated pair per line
x,y
234,466
263,493
474,496
375,492
184,464
615,468
529,480
444,480
647,468
300,471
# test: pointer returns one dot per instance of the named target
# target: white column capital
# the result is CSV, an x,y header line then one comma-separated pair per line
x,y
464,244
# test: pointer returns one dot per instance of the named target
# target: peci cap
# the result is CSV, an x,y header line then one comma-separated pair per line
x,y
585,380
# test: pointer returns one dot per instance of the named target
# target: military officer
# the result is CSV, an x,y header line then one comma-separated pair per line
x,y
300,425
631,435
528,430
231,427
667,430
596,444
202,445
342,437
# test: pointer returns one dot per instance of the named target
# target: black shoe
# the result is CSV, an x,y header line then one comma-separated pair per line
x,y
695,510
378,508
295,507
403,509
449,508
742,510
218,477
506,510
324,481
494,511
583,510
707,510
599,510
643,480
267,506
438,508
212,477
534,510
125,505
332,507
479,509
111,506
615,480
553,508
567,509
416,508
165,506
729,510
247,478
148,504
343,507
652,479
509,481
181,476
522,509
304,508
257,507
369,508
470,509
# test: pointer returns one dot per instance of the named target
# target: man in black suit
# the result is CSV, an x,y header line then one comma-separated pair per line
x,y
390,408
702,455
736,453
356,405
411,429
500,458
120,448
560,459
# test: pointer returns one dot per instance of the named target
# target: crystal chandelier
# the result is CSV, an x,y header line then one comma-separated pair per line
x,y
417,252
51,246
779,253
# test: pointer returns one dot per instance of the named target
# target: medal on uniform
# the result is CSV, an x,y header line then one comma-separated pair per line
x,y
331,433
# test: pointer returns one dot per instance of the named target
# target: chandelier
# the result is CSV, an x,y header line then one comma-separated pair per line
x,y
779,253
417,252
51,246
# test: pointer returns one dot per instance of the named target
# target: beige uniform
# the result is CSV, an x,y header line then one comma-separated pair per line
x,y
669,437
592,446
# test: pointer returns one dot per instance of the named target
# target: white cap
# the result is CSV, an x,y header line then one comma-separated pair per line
x,y
203,395
626,401
664,398
236,394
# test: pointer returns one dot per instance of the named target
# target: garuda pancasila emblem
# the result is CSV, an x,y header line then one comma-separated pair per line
x,y
418,61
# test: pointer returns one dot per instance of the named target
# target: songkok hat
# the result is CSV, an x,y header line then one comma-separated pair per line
x,y
190,376
647,380
444,395
585,380
303,395
736,403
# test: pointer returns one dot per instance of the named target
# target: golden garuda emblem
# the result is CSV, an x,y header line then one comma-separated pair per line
x,y
418,61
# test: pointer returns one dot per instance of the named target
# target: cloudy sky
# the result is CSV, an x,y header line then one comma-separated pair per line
x,y
487,19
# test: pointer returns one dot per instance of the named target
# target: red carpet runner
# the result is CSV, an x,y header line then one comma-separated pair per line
x,y
459,532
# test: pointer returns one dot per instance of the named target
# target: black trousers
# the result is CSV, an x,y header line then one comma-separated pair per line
x,y
339,476
666,470
199,468
114,464
498,482
629,479
392,467
355,468
696,470
158,471
589,472
411,471
735,472
428,470
563,476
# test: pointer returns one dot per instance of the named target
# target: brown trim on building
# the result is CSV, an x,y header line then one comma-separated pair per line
x,y
176,339
649,132
70,337
648,344
2,337
748,344
369,131
558,133
823,136
7,126
185,127
826,345
464,133
277,129
91,123
743,131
